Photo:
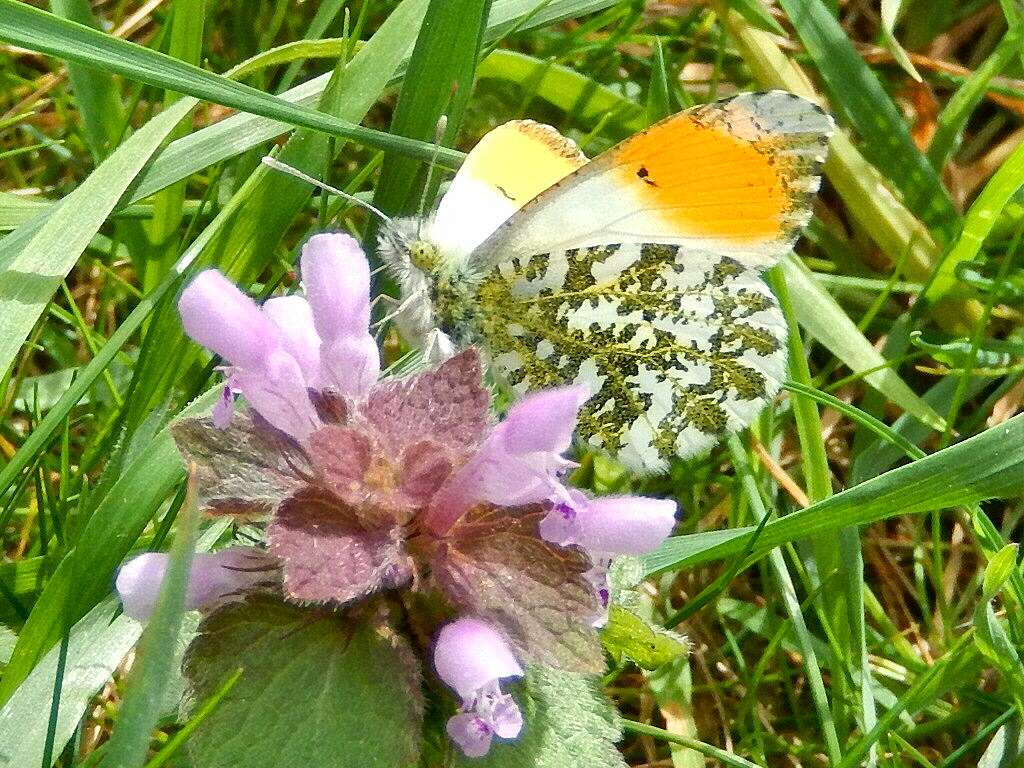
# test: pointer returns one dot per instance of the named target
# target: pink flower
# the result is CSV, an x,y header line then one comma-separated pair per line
x,y
605,527
521,460
279,352
215,578
471,657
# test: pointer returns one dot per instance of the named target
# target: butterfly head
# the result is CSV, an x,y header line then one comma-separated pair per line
x,y
423,275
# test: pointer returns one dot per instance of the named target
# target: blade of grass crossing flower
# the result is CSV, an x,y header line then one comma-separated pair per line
x,y
40,31
83,578
438,81
204,710
986,466
961,105
147,681
868,108
31,274
777,562
96,94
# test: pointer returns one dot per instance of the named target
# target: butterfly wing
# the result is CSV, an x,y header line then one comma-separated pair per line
x,y
638,276
734,177
509,166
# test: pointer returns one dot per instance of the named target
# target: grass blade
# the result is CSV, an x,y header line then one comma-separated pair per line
x,y
40,31
147,681
31,274
987,466
439,81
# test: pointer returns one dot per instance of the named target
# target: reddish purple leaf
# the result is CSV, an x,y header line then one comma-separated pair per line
x,y
495,566
327,556
447,404
246,469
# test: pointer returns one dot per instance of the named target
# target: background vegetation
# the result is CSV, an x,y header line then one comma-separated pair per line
x,y
845,571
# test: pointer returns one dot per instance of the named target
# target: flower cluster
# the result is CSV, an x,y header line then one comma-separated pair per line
x,y
370,484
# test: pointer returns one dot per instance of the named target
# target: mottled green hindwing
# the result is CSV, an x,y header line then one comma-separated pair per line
x,y
678,346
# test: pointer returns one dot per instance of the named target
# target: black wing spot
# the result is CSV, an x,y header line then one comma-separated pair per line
x,y
643,175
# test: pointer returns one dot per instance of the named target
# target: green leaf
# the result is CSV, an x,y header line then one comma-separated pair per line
x,y
1006,749
757,15
568,722
659,100
30,275
95,649
978,223
995,644
439,81
998,570
565,88
627,636
890,13
987,466
317,689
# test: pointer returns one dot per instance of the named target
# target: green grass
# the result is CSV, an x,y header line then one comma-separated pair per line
x,y
882,624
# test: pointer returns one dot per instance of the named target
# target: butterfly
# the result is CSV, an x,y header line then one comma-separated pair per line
x,y
636,274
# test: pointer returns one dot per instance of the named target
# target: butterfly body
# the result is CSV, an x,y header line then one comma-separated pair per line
x,y
636,274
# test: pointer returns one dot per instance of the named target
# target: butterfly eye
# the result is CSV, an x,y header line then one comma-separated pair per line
x,y
423,255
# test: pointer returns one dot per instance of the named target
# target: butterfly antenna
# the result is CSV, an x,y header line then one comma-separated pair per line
x,y
277,165
439,131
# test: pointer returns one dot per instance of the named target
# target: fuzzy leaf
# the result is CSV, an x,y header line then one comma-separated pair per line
x,y
447,405
493,564
316,690
246,469
327,556
568,721
628,636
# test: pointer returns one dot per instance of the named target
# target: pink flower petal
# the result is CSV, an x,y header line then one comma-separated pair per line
x,y
215,578
507,718
336,277
622,525
543,421
294,318
471,733
469,654
350,364
223,319
278,393
138,583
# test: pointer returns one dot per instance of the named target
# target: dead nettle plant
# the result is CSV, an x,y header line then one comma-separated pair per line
x,y
418,569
